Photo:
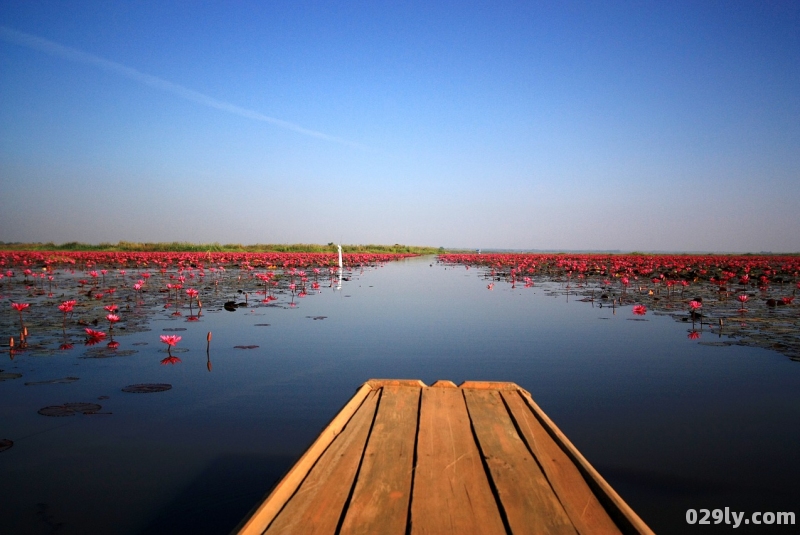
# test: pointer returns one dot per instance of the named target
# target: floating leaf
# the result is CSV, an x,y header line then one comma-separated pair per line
x,y
174,329
85,408
245,347
5,444
262,324
6,376
68,409
56,410
105,353
147,388
53,381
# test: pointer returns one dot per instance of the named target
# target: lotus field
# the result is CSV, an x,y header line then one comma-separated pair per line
x,y
57,300
749,300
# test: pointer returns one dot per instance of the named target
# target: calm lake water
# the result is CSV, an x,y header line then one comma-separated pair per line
x,y
670,423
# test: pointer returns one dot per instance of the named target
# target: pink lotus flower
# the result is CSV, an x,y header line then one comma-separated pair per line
x,y
694,305
170,340
111,308
19,307
639,310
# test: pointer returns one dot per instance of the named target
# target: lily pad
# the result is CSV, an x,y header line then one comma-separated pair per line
x,y
105,353
5,376
245,347
56,410
174,329
147,388
68,409
262,325
53,381
85,408
5,444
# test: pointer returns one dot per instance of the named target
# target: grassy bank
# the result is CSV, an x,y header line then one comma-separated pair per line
x,y
125,246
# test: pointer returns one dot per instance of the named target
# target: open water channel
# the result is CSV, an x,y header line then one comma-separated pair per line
x,y
672,424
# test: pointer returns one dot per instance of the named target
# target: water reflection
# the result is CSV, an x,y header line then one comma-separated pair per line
x,y
659,415
773,321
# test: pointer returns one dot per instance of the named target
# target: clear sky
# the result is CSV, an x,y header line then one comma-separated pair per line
x,y
548,125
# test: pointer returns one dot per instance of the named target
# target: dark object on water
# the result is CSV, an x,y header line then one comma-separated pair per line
x,y
147,388
444,459
53,381
5,444
68,409
772,302
230,306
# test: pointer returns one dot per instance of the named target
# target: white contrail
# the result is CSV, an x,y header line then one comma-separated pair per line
x,y
72,54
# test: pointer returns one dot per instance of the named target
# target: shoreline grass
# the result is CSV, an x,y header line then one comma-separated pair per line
x,y
125,246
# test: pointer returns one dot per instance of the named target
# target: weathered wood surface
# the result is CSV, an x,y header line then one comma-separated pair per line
x,y
479,458
450,482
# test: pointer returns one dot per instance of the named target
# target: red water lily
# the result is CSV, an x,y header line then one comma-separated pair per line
x,y
170,340
639,310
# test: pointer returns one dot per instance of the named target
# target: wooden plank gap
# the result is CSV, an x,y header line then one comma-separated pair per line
x,y
451,494
569,484
487,471
528,500
414,465
625,518
346,507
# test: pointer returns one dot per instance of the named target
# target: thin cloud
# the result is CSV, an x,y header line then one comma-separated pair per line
x,y
54,49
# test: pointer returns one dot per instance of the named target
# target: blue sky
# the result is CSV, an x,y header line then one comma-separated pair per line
x,y
565,125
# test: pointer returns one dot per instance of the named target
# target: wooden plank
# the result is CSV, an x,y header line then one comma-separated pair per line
x,y
488,385
451,491
529,503
380,500
265,513
625,517
317,505
443,384
584,510
378,383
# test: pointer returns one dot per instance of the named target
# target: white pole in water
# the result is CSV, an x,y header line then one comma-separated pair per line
x,y
341,268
